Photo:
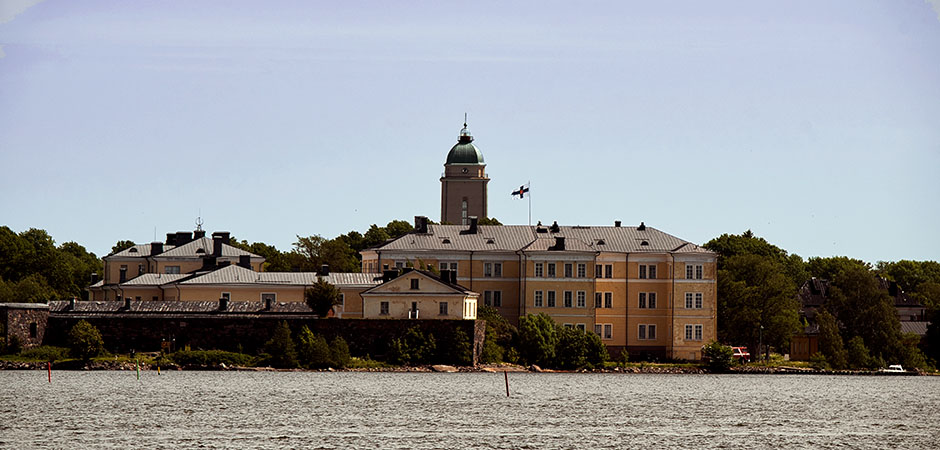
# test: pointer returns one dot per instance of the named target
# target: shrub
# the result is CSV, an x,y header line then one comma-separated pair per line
x,y
85,341
571,349
456,349
209,358
412,348
858,354
281,348
45,353
312,350
719,357
500,334
818,362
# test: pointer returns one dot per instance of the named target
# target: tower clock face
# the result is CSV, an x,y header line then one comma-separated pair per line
x,y
465,170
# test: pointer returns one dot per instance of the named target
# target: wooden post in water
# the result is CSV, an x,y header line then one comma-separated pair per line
x,y
138,368
49,370
506,375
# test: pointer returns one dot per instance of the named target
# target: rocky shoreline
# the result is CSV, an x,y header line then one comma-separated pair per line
x,y
643,369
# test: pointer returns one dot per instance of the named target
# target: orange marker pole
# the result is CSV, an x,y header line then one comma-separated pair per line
x,y
49,370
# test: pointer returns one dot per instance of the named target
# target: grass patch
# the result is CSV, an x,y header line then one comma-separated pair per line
x,y
366,363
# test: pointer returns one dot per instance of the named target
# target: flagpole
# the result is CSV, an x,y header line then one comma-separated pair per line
x,y
528,185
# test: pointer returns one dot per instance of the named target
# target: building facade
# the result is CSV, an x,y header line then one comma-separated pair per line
x,y
640,289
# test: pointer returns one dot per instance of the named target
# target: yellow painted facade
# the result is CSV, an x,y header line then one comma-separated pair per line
x,y
419,295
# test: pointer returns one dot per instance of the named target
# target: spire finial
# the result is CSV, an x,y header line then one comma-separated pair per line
x,y
465,120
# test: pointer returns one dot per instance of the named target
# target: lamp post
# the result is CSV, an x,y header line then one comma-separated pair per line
x,y
760,344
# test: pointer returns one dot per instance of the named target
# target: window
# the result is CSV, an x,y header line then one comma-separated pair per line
x,y
538,299
137,298
608,271
493,298
551,299
155,298
538,269
647,332
443,308
171,269
226,295
582,299
123,273
568,325
383,308
569,270
693,300
647,300
598,329
463,212
399,265
342,299
642,271
493,269
598,272
581,326
551,270
414,283
652,300
608,300
608,331
642,303
698,272
652,271
487,269
140,269
693,332
598,302
568,299
688,271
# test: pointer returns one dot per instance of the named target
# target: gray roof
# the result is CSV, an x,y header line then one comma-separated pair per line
x,y
918,328
240,275
191,249
155,279
529,238
171,306
137,251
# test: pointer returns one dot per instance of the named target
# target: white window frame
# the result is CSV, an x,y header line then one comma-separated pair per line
x,y
497,299
651,300
537,300
488,270
599,329
698,300
498,270
598,299
551,270
539,270
569,270
568,299
608,331
581,326
641,300
608,270
689,271
551,300
689,302
442,308
651,271
383,308
608,300
581,299
688,332
698,332
582,270
598,270
699,271
642,272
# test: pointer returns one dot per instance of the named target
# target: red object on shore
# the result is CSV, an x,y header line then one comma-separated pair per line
x,y
50,370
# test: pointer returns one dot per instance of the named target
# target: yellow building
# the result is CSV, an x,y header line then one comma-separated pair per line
x,y
418,294
639,288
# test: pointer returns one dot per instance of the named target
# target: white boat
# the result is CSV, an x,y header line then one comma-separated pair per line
x,y
894,368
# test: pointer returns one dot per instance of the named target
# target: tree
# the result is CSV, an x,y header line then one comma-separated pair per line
x,y
85,341
122,245
413,348
339,352
830,341
858,356
499,337
312,350
375,236
398,228
537,339
488,221
322,297
281,348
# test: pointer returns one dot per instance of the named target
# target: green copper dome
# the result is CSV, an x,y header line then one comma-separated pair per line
x,y
464,152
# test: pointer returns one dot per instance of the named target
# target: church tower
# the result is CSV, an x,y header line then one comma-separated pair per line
x,y
463,186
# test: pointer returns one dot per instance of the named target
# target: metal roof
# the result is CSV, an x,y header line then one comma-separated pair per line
x,y
191,249
137,251
154,279
918,328
177,306
239,275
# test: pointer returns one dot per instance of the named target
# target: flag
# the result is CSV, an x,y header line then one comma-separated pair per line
x,y
521,192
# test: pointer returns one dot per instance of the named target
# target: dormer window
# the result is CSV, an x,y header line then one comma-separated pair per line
x,y
445,241
132,250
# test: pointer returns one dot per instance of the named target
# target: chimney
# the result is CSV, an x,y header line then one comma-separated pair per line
x,y
244,261
224,235
208,262
183,237
199,234
216,245
617,223
389,275
324,270
223,304
554,228
473,225
559,243
421,224
171,239
642,227
156,248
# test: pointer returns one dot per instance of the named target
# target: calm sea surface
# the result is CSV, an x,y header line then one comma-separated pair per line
x,y
464,410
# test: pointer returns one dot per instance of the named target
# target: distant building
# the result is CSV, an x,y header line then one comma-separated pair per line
x,y
463,185
418,294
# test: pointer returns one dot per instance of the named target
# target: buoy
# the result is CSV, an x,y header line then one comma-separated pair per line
x,y
506,375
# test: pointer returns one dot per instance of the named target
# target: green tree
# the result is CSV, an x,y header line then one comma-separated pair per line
x,y
339,352
719,357
281,348
85,341
413,348
375,236
500,335
122,245
830,341
488,221
398,228
537,339
858,356
322,297
312,350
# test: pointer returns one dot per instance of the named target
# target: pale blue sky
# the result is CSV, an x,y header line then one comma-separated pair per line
x,y
815,124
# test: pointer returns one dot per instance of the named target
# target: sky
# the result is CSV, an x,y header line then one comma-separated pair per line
x,y
814,124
